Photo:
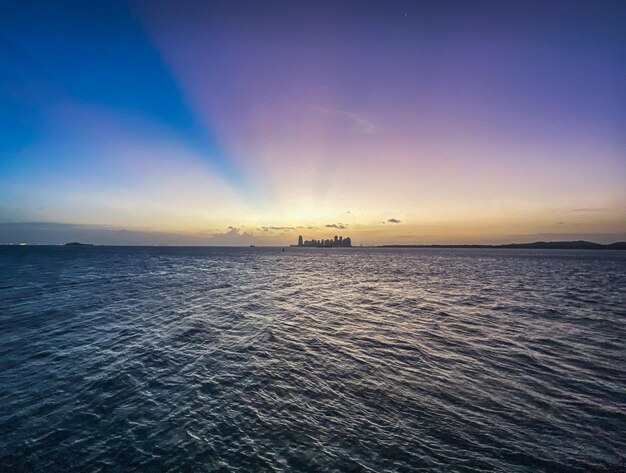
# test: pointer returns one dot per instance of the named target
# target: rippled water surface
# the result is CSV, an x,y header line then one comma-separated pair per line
x,y
254,359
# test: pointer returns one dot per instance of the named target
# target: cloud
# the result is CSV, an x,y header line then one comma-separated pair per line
x,y
589,209
284,229
358,122
339,226
233,237
394,220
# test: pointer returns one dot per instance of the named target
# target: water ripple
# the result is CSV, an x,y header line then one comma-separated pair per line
x,y
216,359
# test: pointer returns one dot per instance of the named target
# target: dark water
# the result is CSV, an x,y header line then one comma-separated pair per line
x,y
251,359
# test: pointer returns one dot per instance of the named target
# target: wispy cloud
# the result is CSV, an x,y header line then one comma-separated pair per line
x,y
285,229
339,226
359,122
589,209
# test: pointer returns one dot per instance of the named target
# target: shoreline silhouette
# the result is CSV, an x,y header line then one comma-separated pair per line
x,y
539,245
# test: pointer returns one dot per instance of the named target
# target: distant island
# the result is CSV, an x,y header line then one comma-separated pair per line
x,y
75,243
337,241
538,245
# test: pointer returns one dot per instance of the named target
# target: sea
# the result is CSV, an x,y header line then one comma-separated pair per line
x,y
171,359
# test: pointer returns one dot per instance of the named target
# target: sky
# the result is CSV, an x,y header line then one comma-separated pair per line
x,y
246,122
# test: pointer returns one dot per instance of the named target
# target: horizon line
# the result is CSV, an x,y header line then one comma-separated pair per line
x,y
511,245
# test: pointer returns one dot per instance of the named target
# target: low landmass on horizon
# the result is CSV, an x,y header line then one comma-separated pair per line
x,y
339,242
540,245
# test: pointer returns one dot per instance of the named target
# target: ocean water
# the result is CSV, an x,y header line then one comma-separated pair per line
x,y
254,359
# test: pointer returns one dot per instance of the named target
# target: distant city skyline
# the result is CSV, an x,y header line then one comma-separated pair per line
x,y
253,122
336,241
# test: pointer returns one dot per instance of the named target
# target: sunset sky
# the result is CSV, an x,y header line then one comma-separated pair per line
x,y
253,122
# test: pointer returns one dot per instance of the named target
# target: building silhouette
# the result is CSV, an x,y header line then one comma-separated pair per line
x,y
337,241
